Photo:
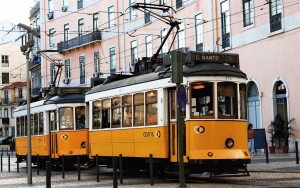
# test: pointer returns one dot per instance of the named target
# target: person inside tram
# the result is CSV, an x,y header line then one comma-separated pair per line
x,y
80,118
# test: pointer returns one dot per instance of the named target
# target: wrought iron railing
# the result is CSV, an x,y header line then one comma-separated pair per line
x,y
275,22
79,41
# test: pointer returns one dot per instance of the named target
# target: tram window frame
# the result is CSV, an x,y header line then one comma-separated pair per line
x,y
18,124
22,126
116,112
173,100
243,101
32,124
127,111
54,121
233,108
96,105
138,102
66,122
105,109
41,123
80,117
151,104
36,123
202,100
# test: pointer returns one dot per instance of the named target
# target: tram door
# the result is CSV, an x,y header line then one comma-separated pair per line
x,y
173,129
53,135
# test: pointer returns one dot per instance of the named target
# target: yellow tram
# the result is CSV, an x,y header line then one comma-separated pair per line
x,y
57,128
136,116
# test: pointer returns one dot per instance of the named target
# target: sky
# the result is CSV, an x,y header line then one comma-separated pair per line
x,y
15,11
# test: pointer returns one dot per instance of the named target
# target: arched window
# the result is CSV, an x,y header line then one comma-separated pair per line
x,y
280,96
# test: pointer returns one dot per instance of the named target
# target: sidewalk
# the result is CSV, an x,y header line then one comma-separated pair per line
x,y
278,162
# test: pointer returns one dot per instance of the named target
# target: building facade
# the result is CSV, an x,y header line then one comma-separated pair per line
x,y
97,38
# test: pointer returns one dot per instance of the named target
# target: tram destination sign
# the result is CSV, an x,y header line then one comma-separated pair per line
x,y
193,58
69,90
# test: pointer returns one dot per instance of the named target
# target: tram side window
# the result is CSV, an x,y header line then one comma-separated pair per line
x,y
127,110
23,126
18,123
138,109
32,124
96,115
172,104
106,114
41,123
36,124
202,100
80,117
243,101
116,112
66,118
52,121
227,100
151,108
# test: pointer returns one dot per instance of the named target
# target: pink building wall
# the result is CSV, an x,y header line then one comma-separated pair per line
x,y
264,56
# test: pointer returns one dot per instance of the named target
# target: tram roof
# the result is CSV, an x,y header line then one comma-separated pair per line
x,y
71,98
204,69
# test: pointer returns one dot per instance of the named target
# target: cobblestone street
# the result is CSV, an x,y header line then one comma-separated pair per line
x,y
281,171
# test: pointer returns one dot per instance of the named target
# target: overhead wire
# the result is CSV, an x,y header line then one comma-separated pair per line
x,y
206,22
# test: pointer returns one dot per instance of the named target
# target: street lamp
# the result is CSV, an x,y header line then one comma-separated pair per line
x,y
26,48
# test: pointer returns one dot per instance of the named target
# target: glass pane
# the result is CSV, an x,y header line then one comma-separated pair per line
x,y
127,116
172,105
139,98
243,104
127,100
227,100
202,100
66,118
151,97
105,114
36,124
80,117
139,115
96,115
41,122
151,116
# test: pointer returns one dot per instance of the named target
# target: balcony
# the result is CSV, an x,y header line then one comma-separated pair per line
x,y
79,4
275,22
79,41
5,120
225,40
5,101
34,9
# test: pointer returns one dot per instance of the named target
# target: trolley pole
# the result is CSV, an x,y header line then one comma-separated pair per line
x,y
177,77
26,48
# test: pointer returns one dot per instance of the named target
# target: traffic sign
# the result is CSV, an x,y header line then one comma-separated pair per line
x,y
181,97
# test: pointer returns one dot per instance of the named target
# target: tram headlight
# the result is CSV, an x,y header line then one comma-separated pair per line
x,y
83,144
229,142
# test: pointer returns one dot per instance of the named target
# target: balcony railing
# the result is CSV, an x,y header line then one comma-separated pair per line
x,y
82,79
226,40
34,9
5,101
36,91
275,22
5,120
79,41
178,4
147,17
199,47
79,4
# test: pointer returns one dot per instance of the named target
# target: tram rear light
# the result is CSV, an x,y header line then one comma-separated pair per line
x,y
229,142
83,144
